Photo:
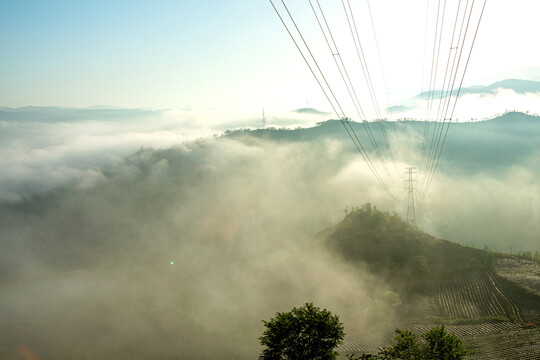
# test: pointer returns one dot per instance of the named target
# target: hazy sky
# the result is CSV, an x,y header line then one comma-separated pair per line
x,y
223,54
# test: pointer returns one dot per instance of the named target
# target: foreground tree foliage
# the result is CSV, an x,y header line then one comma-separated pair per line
x,y
305,333
438,345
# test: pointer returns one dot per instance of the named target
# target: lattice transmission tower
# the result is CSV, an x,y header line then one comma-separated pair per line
x,y
410,187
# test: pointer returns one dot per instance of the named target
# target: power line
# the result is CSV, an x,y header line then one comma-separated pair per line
x,y
432,87
439,125
378,52
344,74
367,77
434,139
447,95
458,92
344,119
436,147
382,121
421,152
313,57
361,56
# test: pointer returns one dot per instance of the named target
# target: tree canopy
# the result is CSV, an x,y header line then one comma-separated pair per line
x,y
438,344
304,333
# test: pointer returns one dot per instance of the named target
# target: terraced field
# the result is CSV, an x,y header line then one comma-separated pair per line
x,y
499,341
484,299
475,295
523,344
525,273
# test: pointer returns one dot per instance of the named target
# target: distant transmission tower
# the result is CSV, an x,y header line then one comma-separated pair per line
x,y
411,212
263,119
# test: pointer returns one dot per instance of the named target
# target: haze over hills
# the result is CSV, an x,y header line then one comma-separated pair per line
x,y
517,85
475,101
191,245
480,159
56,114
488,146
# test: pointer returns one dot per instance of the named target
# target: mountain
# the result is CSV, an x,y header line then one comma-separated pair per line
x,y
310,111
488,146
58,114
517,85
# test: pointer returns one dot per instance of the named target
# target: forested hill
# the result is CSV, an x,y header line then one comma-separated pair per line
x,y
388,246
517,123
491,146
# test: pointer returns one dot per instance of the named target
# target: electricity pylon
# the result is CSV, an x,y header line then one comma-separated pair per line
x,y
411,212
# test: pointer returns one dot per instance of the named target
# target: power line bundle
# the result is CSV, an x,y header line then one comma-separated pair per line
x,y
457,37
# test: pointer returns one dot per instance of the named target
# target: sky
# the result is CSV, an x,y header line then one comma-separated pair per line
x,y
233,55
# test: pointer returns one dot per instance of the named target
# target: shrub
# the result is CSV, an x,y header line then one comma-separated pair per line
x,y
305,333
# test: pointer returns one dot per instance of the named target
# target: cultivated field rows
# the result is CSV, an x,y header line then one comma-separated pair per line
x,y
514,344
475,295
359,345
476,332
525,273
464,331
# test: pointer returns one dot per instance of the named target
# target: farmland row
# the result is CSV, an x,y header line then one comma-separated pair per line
x,y
474,295
359,345
515,344
505,340
464,331
525,273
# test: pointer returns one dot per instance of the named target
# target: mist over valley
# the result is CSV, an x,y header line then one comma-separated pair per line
x,y
183,248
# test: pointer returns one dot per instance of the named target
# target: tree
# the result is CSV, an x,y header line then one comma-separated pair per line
x,y
442,345
305,333
405,347
439,345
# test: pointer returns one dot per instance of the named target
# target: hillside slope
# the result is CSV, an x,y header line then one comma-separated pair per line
x,y
442,282
387,245
418,264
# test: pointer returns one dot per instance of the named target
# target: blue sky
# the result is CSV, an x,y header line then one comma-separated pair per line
x,y
215,54
129,52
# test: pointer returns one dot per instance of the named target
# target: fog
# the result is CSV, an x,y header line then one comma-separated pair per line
x,y
43,147
145,238
502,213
181,250
472,106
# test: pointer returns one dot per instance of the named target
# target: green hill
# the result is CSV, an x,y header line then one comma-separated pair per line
x,y
390,247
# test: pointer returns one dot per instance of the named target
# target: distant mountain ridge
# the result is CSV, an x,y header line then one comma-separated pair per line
x,y
310,111
517,85
473,147
56,113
